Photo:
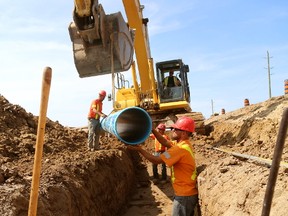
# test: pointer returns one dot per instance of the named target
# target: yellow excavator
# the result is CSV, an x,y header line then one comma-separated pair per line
x,y
105,44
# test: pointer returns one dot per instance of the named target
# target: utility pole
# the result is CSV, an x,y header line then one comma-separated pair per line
x,y
269,74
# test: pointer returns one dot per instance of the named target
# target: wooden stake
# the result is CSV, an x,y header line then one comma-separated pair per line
x,y
46,82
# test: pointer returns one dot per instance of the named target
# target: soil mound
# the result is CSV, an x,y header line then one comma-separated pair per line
x,y
235,160
74,181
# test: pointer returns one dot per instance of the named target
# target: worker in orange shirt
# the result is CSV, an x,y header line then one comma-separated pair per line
x,y
180,157
158,150
95,112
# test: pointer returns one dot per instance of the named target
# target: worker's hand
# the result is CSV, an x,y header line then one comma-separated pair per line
x,y
104,116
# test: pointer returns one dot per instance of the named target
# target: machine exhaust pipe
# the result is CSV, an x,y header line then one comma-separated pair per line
x,y
131,125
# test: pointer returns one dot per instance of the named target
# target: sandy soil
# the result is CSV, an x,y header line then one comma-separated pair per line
x,y
115,181
235,185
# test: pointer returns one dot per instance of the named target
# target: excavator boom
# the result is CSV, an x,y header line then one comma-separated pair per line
x,y
104,44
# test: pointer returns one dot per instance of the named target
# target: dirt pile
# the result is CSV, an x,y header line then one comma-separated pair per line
x,y
235,185
73,180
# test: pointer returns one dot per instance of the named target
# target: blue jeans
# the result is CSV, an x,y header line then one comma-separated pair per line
x,y
93,133
155,169
184,205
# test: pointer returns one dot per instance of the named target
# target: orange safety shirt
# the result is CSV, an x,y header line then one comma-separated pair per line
x,y
97,104
157,145
181,159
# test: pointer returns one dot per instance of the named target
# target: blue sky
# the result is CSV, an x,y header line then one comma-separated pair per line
x,y
224,42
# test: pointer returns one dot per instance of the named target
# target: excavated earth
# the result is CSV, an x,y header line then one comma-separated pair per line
x,y
232,185
75,181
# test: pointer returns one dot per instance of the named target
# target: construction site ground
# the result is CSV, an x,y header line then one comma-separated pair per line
x,y
232,162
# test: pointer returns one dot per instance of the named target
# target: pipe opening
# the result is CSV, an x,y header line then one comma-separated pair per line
x,y
131,125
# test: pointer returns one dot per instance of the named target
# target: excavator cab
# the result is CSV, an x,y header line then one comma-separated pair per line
x,y
179,90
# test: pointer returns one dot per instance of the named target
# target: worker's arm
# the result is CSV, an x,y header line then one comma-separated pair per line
x,y
153,159
164,82
178,82
99,113
95,107
161,139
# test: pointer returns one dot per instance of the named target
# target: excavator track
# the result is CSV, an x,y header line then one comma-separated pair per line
x,y
198,119
169,119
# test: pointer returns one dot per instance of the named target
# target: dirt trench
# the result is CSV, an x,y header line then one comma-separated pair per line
x,y
74,181
115,181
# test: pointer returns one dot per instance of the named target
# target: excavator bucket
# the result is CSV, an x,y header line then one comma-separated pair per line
x,y
101,43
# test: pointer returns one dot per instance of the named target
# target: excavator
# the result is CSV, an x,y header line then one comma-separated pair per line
x,y
106,44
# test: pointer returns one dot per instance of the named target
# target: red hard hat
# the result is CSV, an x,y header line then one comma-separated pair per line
x,y
103,93
185,124
161,126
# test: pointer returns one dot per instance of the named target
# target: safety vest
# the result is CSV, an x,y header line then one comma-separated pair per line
x,y
97,104
174,79
157,145
194,174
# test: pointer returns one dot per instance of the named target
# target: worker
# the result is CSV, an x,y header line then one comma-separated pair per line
x,y
171,80
158,149
180,157
95,112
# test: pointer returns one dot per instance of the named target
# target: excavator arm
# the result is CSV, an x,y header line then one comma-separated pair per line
x,y
104,44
